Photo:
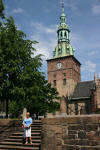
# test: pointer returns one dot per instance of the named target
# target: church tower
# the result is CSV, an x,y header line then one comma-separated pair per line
x,y
63,68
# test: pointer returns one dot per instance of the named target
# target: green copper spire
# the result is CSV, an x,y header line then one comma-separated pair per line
x,y
63,47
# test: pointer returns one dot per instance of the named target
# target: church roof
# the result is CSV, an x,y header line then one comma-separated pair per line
x,y
83,90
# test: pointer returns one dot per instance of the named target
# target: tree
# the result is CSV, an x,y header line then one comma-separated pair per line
x,y
14,54
40,94
22,83
2,9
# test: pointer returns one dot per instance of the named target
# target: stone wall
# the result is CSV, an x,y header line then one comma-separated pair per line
x,y
7,126
71,133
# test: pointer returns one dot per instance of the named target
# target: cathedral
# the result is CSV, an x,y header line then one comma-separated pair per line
x,y
80,97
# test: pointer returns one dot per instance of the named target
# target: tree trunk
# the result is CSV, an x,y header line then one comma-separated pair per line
x,y
36,115
7,109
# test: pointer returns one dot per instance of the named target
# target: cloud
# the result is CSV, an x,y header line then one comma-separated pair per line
x,y
18,10
47,39
96,9
92,53
42,47
89,66
75,37
42,28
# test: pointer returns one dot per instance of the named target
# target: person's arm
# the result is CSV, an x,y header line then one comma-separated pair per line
x,y
30,122
23,124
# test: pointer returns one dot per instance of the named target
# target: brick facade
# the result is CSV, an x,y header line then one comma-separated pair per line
x,y
67,80
70,71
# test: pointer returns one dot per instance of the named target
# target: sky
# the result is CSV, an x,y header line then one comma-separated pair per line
x,y
40,19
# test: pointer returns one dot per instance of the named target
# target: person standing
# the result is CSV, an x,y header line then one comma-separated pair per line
x,y
27,122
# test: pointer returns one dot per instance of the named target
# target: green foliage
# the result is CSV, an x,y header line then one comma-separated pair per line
x,y
22,83
2,9
41,96
14,109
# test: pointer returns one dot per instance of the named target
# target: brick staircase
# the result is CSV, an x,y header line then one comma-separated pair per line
x,y
15,141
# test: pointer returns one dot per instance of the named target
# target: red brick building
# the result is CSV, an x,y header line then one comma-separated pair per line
x,y
64,74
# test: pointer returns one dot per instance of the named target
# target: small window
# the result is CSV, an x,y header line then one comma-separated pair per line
x,y
82,110
65,33
76,109
67,50
87,108
54,82
54,75
59,51
64,81
61,34
54,53
64,74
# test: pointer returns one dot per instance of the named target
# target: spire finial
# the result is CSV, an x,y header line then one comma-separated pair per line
x,y
62,5
95,76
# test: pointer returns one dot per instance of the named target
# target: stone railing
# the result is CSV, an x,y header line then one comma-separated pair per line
x,y
71,133
7,126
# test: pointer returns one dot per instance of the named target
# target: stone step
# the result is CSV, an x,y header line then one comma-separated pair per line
x,y
37,120
20,137
20,144
17,147
33,130
20,140
21,133
38,124
34,121
15,141
36,128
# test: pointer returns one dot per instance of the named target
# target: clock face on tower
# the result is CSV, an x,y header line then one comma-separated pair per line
x,y
59,65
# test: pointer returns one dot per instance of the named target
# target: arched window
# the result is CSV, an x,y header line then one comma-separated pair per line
x,y
64,81
61,34
67,50
59,51
76,108
54,53
65,33
54,82
61,19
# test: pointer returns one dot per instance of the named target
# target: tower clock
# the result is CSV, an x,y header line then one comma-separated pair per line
x,y
63,69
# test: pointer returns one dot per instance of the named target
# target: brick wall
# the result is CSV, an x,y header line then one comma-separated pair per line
x,y
70,72
71,133
69,66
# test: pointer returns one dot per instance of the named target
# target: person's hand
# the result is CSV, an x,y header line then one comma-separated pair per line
x,y
30,125
26,127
